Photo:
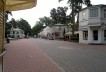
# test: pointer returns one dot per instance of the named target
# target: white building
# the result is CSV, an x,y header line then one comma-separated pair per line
x,y
92,25
55,32
16,33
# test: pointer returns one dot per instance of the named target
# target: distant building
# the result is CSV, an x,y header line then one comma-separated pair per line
x,y
92,25
68,35
54,32
16,33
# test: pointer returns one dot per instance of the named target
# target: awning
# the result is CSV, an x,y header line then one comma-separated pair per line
x,y
69,33
13,5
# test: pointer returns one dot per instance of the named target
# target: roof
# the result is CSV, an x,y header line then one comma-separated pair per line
x,y
100,5
16,29
59,25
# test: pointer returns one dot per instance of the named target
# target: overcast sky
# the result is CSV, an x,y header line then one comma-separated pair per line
x,y
43,9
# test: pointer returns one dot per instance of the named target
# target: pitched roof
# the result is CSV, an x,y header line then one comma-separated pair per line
x,y
99,5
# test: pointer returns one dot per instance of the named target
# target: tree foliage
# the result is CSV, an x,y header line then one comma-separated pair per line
x,y
7,13
41,24
76,6
13,23
59,15
47,21
37,28
24,25
7,25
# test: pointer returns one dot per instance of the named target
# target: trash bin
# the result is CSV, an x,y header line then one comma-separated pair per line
x,y
8,40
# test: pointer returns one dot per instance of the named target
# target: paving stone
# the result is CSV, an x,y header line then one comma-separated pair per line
x,y
24,56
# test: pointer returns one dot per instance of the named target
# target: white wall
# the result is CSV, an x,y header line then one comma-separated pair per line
x,y
90,36
87,20
84,21
103,20
99,35
55,28
20,34
83,24
92,24
81,36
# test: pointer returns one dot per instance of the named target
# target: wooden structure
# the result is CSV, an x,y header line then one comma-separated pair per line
x,y
1,28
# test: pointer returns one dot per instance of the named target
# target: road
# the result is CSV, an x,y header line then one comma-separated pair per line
x,y
74,57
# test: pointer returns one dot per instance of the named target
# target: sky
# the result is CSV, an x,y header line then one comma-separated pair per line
x,y
42,9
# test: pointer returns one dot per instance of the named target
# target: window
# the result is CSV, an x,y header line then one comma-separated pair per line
x,y
85,35
13,32
104,34
17,32
95,35
18,36
59,28
104,13
12,36
93,12
83,15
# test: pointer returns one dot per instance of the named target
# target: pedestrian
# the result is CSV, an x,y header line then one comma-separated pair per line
x,y
7,39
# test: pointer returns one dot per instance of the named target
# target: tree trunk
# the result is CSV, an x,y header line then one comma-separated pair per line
x,y
80,5
73,20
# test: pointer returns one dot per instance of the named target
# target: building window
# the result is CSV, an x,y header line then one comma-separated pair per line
x,y
85,35
83,15
59,27
104,13
95,34
12,36
17,32
93,12
104,34
13,32
18,36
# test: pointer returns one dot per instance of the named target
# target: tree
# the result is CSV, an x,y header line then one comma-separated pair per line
x,y
47,21
59,15
7,28
7,25
24,25
53,14
7,13
42,23
38,27
76,6
13,23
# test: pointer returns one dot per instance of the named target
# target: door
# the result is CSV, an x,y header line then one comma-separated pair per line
x,y
95,34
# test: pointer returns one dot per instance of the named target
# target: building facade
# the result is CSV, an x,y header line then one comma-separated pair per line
x,y
56,31
92,25
16,33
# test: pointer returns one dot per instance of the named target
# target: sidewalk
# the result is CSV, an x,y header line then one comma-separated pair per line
x,y
24,56
0,68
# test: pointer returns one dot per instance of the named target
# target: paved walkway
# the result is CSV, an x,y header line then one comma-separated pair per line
x,y
0,68
24,56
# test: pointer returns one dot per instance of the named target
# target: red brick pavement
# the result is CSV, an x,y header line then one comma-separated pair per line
x,y
24,56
